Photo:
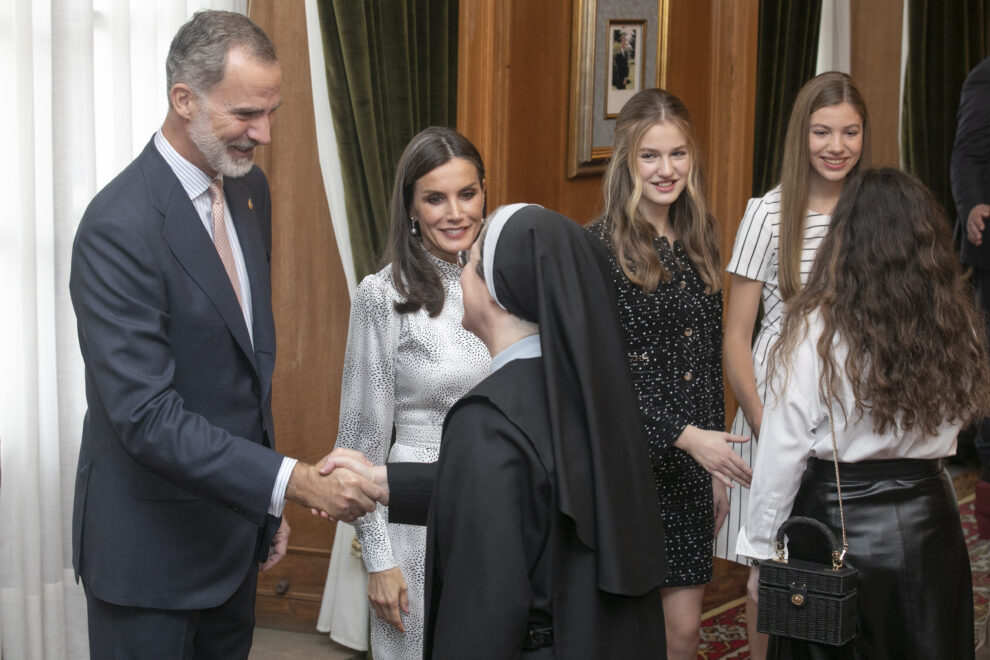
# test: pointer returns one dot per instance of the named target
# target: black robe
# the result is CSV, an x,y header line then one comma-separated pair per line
x,y
500,556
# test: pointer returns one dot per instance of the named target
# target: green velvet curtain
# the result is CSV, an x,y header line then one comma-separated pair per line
x,y
391,72
945,41
786,58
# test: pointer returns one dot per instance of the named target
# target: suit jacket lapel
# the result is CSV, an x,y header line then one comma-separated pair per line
x,y
189,241
244,211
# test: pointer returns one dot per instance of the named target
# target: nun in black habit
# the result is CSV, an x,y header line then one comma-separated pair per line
x,y
544,535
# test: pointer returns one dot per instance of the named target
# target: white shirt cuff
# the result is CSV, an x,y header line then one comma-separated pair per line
x,y
277,504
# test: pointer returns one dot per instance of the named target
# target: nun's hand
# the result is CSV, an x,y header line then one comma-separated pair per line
x,y
388,595
711,449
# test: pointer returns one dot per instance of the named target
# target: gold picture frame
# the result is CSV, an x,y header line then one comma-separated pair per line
x,y
585,157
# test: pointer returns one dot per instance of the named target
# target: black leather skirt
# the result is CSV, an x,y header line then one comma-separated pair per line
x,y
906,541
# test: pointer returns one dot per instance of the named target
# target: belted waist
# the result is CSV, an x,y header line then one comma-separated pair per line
x,y
415,435
893,468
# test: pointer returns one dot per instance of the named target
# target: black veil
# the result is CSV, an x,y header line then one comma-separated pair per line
x,y
547,269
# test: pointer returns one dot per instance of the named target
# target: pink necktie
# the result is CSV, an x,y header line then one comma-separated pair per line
x,y
221,240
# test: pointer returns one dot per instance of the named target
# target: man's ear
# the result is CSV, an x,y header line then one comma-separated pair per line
x,y
184,101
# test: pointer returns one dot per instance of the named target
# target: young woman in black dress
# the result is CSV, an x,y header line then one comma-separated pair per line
x,y
666,271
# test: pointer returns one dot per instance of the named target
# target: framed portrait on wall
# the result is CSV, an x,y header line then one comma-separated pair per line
x,y
624,63
612,58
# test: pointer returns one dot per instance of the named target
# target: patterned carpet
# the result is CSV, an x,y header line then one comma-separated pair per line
x,y
723,629
723,632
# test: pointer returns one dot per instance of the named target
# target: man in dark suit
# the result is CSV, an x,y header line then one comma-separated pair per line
x,y
971,190
179,492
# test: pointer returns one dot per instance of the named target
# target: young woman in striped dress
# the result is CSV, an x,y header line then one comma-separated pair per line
x,y
773,253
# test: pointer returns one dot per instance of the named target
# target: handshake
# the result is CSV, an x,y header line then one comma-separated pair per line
x,y
343,486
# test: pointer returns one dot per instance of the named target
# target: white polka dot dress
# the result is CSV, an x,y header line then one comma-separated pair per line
x,y
402,371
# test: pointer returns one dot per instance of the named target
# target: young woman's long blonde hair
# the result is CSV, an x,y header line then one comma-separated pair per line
x,y
631,235
827,89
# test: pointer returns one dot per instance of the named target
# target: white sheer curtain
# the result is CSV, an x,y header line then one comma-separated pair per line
x,y
834,37
85,83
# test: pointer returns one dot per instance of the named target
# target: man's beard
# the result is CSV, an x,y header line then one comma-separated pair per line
x,y
215,150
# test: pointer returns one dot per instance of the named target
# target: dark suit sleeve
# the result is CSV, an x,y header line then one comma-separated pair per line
x,y
410,488
489,525
120,298
971,149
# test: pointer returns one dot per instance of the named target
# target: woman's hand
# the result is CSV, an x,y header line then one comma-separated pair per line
x,y
753,584
711,449
388,594
720,497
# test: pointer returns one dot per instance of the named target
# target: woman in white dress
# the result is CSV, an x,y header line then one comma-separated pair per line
x,y
884,348
408,360
774,249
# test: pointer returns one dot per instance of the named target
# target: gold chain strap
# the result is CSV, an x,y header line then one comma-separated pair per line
x,y
837,557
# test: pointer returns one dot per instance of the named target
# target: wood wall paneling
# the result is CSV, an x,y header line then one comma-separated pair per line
x,y
689,63
541,64
735,29
875,65
512,102
483,44
311,304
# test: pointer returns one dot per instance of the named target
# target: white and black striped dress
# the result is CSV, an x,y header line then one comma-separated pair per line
x,y
754,256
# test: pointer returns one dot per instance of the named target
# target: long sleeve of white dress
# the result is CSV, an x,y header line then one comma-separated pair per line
x,y
367,400
402,372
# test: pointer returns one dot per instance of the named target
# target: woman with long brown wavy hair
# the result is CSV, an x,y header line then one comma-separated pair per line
x,y
884,342
667,276
826,141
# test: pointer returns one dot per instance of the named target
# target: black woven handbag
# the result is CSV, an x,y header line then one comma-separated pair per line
x,y
807,600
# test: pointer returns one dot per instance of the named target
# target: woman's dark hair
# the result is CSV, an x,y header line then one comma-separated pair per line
x,y
888,285
413,274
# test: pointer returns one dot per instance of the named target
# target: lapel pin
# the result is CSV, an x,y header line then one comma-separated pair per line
x,y
250,204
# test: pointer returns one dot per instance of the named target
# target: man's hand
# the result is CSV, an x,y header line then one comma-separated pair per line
x,y
976,223
343,494
356,462
348,459
280,544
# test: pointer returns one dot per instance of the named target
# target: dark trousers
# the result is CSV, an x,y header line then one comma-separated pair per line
x,y
981,286
124,633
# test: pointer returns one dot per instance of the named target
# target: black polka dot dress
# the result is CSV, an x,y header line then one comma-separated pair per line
x,y
673,343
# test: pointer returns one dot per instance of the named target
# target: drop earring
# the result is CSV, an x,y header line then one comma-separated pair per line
x,y
413,227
